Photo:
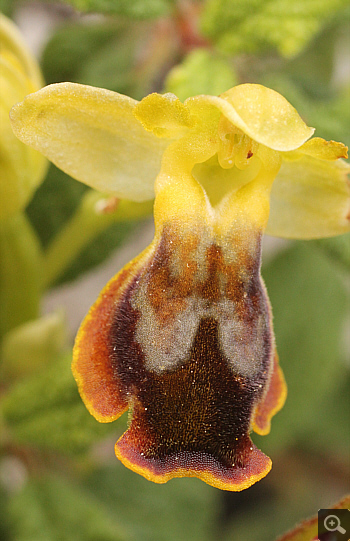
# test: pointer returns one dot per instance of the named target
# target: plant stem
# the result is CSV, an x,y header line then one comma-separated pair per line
x,y
84,226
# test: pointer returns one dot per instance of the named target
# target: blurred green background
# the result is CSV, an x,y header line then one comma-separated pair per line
x,y
59,478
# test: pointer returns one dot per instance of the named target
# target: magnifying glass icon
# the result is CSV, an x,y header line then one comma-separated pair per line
x,y
332,524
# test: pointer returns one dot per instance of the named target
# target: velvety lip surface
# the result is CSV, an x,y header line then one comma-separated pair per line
x,y
192,407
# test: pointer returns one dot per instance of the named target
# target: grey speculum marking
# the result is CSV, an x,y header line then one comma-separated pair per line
x,y
243,334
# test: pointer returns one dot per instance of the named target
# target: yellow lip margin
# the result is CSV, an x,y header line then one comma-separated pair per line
x,y
190,464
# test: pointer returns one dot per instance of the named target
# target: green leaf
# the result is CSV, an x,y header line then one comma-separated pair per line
x,y
309,304
53,203
178,510
137,9
51,509
47,411
202,72
255,25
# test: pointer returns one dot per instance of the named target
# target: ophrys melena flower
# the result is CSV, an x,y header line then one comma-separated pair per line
x,y
182,336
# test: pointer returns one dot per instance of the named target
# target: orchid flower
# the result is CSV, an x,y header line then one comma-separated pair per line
x,y
182,336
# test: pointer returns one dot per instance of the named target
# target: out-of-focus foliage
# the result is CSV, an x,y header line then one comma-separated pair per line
x,y
54,204
50,509
54,417
182,509
311,355
338,250
20,273
33,345
255,25
6,7
65,482
107,55
307,530
202,72
137,9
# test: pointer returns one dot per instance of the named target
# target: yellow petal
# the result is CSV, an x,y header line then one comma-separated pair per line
x,y
324,150
11,41
310,199
93,135
21,168
164,115
262,114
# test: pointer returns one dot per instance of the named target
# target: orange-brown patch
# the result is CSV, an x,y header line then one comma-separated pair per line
x,y
97,382
272,402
